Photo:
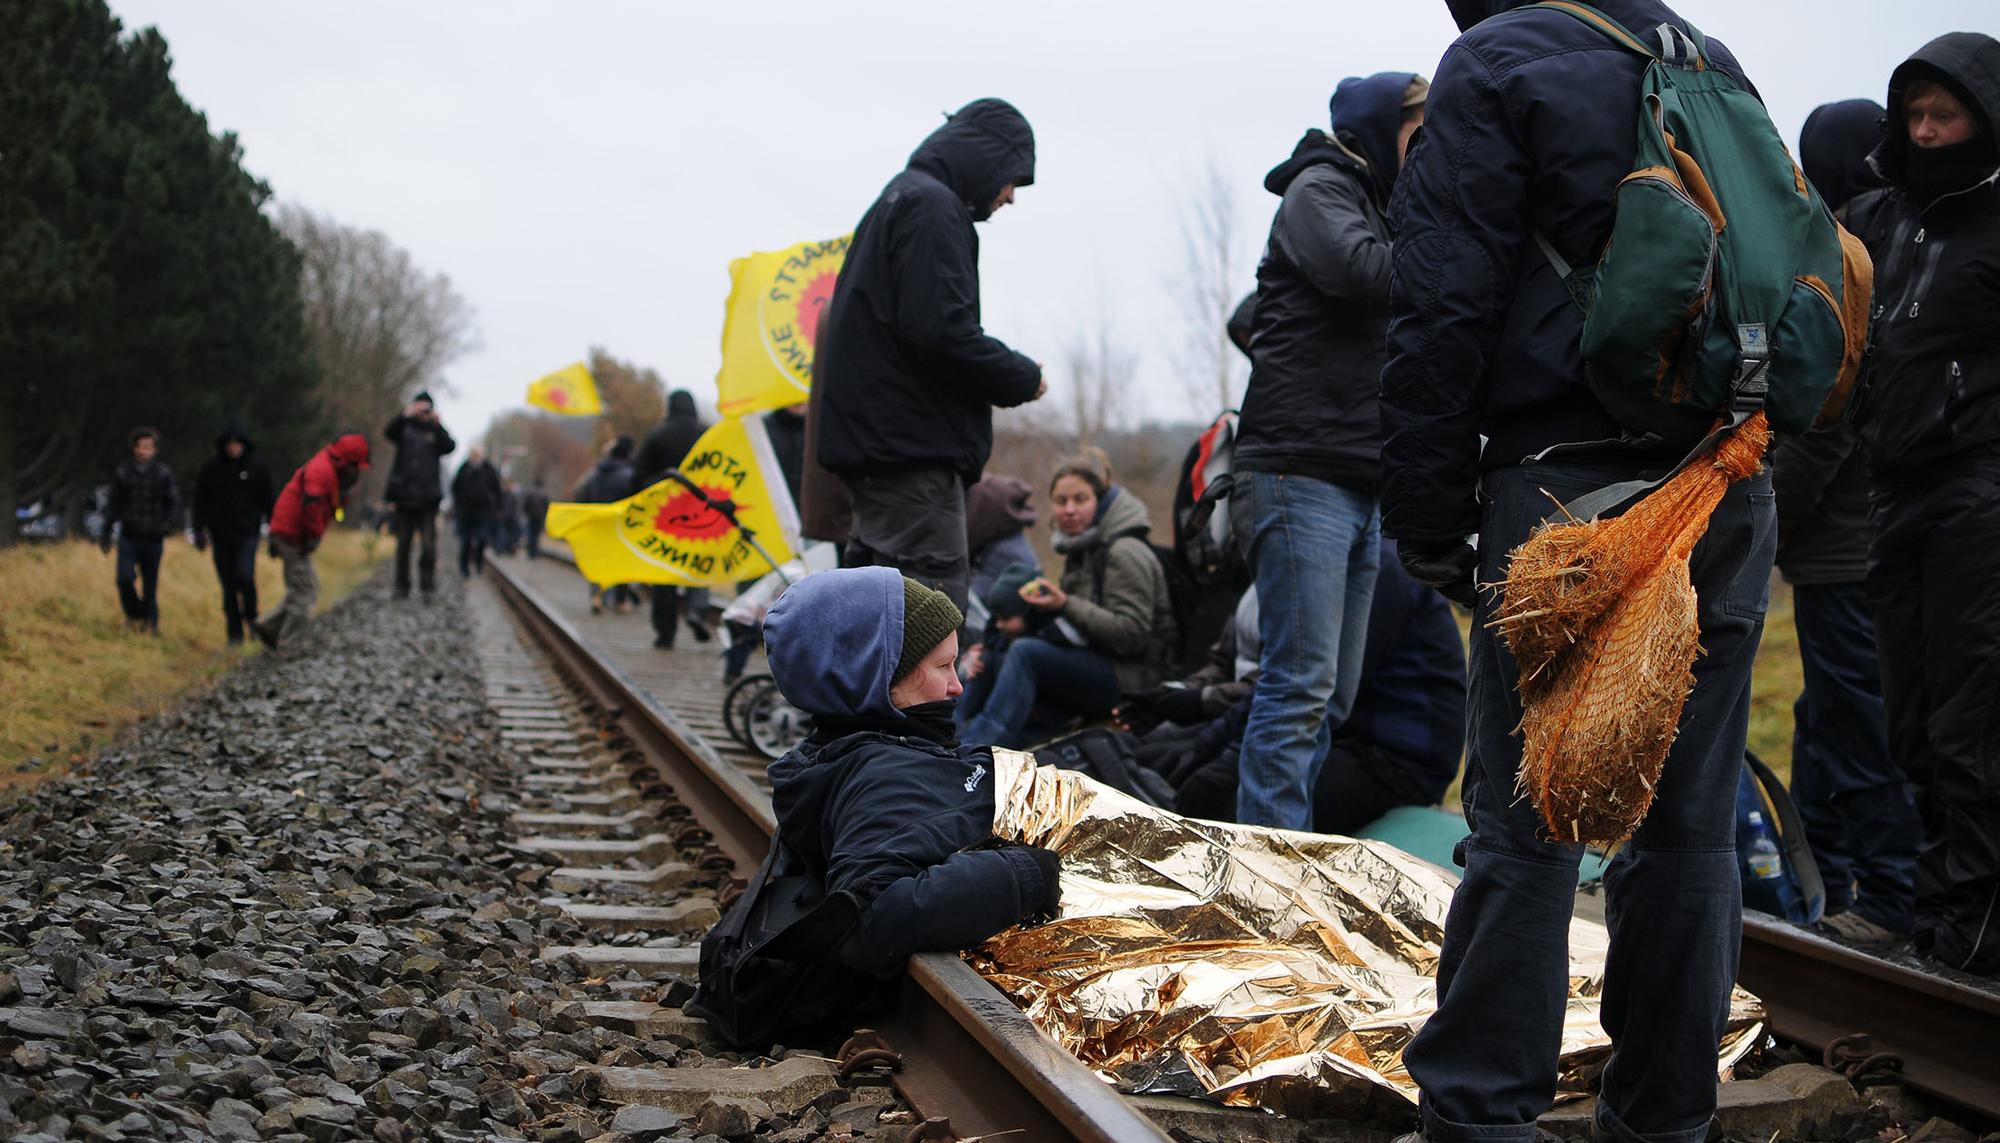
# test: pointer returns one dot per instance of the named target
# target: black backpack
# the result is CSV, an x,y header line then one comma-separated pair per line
x,y
770,968
1108,756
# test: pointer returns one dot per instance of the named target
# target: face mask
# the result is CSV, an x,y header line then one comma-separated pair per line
x,y
1933,172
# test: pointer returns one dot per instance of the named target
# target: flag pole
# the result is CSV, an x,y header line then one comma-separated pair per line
x,y
727,510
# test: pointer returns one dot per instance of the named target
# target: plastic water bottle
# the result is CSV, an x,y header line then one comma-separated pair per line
x,y
1763,859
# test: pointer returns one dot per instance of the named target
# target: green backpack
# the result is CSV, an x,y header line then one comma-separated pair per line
x,y
1727,286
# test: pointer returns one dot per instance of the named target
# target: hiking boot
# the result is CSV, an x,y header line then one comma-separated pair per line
x,y
700,631
265,636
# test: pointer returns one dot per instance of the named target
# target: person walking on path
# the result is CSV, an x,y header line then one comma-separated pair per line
x,y
475,503
1305,467
1531,125
232,499
144,503
664,448
1930,416
911,378
535,506
416,488
309,502
608,483
1856,803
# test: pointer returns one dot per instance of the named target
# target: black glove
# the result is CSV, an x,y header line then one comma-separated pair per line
x,y
1050,864
1137,714
1179,705
1450,567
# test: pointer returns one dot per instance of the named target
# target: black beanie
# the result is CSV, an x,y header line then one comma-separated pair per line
x,y
928,616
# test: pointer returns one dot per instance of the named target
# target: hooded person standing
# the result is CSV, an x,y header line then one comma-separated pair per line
x,y
1930,416
884,818
232,499
144,501
416,488
664,448
309,502
1304,469
910,378
1487,413
1855,801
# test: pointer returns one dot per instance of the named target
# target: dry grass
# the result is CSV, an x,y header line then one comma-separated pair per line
x,y
71,677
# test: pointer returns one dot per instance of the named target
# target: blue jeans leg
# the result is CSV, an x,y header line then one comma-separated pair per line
x,y
1860,815
1076,678
1314,549
1486,1059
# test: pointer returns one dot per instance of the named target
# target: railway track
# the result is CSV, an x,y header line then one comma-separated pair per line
x,y
967,1054
970,1054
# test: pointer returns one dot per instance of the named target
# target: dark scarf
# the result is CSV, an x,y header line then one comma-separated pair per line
x,y
1933,172
931,721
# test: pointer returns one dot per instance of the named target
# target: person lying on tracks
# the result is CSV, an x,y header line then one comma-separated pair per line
x,y
885,842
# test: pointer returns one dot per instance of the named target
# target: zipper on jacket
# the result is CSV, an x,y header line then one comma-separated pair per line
x,y
1894,266
1925,277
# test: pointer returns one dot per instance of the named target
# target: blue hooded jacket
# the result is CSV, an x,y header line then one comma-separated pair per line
x,y
889,818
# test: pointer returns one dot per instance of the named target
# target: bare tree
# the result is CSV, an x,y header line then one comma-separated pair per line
x,y
1101,372
1210,286
380,326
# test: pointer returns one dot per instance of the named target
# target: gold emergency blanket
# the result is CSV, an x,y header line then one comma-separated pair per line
x,y
1258,967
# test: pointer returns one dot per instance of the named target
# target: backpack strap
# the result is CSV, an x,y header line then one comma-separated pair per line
x,y
1612,29
1792,826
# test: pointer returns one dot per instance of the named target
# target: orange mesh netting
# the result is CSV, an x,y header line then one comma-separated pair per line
x,y
1601,617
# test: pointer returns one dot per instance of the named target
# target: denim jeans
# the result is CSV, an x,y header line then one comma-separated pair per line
x,y
1075,678
1860,816
1486,1060
1314,548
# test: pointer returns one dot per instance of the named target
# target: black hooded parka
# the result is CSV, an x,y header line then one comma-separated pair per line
x,y
1932,380
910,377
232,498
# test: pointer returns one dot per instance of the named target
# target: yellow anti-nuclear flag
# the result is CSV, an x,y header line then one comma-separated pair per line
x,y
570,391
775,299
665,534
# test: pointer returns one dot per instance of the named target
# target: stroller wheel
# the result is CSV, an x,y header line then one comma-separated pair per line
x,y
737,700
773,725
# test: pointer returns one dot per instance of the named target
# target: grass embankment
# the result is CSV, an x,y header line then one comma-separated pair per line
x,y
71,677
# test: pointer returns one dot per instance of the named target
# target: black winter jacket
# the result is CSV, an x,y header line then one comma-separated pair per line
x,y
1532,121
1322,291
1932,379
143,499
476,490
669,442
909,376
414,481
893,820
232,498
610,481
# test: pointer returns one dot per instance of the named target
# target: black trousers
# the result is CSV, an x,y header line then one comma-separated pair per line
x,y
1934,582
418,524
236,569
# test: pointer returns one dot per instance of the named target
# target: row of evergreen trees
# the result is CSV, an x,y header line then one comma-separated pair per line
x,y
141,279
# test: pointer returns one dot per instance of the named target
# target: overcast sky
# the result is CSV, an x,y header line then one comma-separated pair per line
x,y
584,172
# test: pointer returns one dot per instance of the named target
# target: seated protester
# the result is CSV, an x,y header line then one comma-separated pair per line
x,y
881,811
1401,744
1227,675
1112,622
1009,619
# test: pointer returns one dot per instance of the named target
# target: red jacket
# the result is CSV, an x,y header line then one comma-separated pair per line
x,y
310,497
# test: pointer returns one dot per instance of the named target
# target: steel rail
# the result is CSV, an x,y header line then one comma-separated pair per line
x,y
969,1054
1816,991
